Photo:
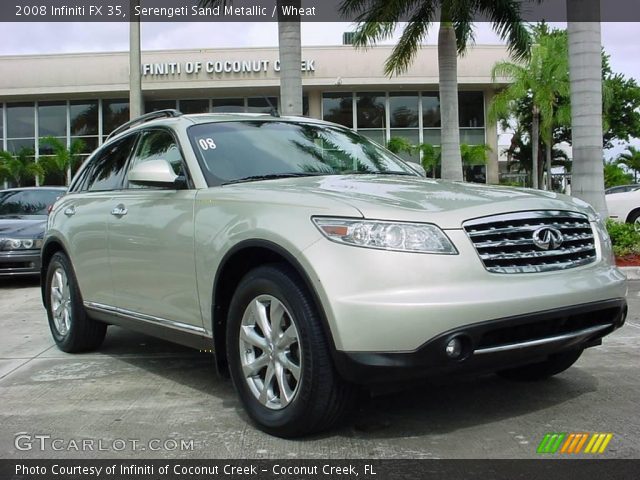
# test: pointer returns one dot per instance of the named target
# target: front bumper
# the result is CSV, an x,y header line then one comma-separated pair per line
x,y
19,262
491,346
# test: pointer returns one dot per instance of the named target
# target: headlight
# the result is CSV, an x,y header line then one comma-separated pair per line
x,y
20,244
401,237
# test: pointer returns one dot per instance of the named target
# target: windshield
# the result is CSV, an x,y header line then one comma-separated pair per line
x,y
27,202
253,150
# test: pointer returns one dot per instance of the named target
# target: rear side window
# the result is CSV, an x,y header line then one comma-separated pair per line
x,y
108,166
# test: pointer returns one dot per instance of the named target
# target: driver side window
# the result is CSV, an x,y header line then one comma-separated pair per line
x,y
158,145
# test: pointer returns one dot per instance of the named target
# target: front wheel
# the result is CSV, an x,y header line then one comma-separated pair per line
x,y
554,365
72,330
279,358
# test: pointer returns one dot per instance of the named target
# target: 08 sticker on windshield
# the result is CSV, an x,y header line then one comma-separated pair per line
x,y
207,143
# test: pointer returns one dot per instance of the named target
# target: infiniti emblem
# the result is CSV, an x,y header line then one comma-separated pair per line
x,y
546,238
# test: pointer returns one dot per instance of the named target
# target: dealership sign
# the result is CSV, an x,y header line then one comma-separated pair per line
x,y
224,67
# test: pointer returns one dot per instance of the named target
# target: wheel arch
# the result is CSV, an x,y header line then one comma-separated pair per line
x,y
237,262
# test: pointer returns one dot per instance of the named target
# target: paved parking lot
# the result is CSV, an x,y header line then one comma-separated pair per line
x,y
143,398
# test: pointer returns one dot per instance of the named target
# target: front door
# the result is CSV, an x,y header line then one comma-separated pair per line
x,y
151,243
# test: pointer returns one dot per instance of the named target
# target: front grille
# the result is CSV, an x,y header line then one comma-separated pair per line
x,y
534,241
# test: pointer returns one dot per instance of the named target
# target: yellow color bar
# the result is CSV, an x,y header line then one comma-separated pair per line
x,y
606,441
594,437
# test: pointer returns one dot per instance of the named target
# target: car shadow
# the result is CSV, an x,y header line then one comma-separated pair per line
x,y
418,408
20,282
432,407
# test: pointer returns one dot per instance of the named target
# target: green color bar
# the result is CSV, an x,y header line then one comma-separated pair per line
x,y
542,448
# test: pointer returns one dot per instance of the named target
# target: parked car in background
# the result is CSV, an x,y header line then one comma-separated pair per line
x,y
622,188
23,218
310,259
625,207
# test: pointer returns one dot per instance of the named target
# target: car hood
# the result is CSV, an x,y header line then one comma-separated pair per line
x,y
418,199
22,226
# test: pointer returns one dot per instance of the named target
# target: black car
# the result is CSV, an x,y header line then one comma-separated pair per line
x,y
23,219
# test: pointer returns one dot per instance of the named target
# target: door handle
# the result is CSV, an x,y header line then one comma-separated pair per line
x,y
70,211
119,211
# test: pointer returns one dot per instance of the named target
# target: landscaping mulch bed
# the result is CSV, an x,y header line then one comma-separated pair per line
x,y
628,261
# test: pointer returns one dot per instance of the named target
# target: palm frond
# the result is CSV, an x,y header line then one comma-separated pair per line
x,y
405,51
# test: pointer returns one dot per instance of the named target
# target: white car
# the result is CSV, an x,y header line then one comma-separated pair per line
x,y
625,207
311,260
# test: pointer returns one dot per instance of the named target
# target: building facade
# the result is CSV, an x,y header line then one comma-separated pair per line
x,y
85,96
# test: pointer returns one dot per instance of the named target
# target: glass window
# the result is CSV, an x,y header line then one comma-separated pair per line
x,y
28,202
47,149
52,119
471,109
472,136
232,151
262,104
158,145
376,135
430,110
370,110
1,123
114,114
413,136
108,166
227,105
403,110
338,108
84,118
194,106
431,136
14,146
21,120
155,105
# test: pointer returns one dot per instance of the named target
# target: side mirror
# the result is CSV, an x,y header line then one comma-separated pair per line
x,y
416,167
154,173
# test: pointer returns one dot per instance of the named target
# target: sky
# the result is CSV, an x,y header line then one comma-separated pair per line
x,y
620,40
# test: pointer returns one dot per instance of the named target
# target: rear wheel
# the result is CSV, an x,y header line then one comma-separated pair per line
x,y
554,365
72,330
279,358
634,219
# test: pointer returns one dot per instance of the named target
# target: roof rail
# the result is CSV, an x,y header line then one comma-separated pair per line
x,y
147,117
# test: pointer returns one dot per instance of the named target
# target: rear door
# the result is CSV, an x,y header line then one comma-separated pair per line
x,y
151,242
84,214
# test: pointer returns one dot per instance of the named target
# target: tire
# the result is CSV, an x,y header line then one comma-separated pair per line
x,y
634,219
554,365
283,406
72,330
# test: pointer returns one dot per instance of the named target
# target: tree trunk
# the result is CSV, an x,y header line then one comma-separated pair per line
x,y
549,150
135,79
450,125
535,135
585,73
290,47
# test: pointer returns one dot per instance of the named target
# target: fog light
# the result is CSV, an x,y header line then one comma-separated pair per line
x,y
454,348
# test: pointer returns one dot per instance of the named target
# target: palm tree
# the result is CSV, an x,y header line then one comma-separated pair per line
x,y
63,159
585,71
543,81
378,19
631,159
20,168
290,52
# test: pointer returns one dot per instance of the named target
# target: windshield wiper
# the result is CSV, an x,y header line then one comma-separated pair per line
x,y
274,176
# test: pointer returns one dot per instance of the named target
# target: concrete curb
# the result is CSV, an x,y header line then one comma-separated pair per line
x,y
632,273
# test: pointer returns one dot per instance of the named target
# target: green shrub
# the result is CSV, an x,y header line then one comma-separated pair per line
x,y
625,239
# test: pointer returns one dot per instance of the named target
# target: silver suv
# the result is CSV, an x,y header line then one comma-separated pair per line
x,y
312,260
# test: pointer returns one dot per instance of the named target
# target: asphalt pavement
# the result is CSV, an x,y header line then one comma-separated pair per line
x,y
138,397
